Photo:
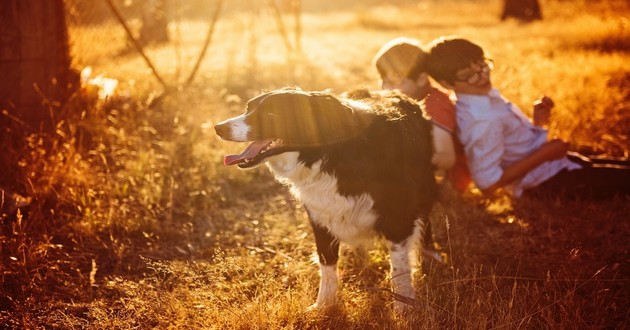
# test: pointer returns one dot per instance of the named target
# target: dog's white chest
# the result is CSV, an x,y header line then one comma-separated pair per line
x,y
349,218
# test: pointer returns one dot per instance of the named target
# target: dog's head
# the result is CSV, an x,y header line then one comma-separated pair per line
x,y
288,120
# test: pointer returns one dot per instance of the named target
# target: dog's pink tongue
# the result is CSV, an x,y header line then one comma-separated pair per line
x,y
252,150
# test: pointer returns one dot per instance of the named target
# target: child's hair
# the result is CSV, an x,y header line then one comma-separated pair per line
x,y
403,56
449,55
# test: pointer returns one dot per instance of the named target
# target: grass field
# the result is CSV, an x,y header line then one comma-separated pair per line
x,y
134,223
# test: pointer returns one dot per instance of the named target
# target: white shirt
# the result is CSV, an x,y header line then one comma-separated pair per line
x,y
496,134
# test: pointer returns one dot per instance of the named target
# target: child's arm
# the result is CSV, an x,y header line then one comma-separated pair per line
x,y
442,112
444,151
551,150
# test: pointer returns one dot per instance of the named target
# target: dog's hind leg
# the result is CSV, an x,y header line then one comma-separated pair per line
x,y
401,273
328,254
404,256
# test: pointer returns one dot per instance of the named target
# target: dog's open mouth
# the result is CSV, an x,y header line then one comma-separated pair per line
x,y
254,153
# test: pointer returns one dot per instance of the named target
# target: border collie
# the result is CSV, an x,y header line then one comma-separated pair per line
x,y
360,164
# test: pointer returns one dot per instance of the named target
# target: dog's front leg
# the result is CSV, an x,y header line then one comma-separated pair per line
x,y
328,254
401,273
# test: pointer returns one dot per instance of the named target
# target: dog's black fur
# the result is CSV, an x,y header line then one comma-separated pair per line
x,y
374,144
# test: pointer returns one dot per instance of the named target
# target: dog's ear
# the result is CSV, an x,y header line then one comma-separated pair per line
x,y
305,118
337,120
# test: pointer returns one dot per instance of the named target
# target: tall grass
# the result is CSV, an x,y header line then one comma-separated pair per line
x,y
134,222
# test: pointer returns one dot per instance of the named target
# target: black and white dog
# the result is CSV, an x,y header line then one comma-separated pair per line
x,y
360,164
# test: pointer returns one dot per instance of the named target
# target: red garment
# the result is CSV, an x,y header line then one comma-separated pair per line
x,y
459,174
441,109
442,112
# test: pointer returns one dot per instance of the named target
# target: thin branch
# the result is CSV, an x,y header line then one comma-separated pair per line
x,y
135,43
215,18
281,27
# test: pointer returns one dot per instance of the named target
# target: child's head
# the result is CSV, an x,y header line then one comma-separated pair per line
x,y
400,59
459,64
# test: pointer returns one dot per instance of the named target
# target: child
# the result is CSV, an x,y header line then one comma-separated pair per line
x,y
504,149
401,64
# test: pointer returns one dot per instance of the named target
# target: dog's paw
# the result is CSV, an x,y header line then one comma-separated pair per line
x,y
322,306
337,308
404,304
314,308
402,309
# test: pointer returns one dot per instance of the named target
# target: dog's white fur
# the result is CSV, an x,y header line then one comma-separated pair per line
x,y
349,218
238,128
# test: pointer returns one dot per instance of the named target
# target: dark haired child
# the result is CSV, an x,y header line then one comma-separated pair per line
x,y
503,147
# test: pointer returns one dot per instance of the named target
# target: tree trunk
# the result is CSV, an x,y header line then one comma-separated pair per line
x,y
524,10
35,77
34,62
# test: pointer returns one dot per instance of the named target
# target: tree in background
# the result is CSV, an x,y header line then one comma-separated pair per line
x,y
36,79
34,61
524,10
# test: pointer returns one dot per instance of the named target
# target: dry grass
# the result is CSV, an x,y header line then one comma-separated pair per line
x,y
134,222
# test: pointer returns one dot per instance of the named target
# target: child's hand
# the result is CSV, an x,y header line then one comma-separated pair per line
x,y
555,149
542,111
